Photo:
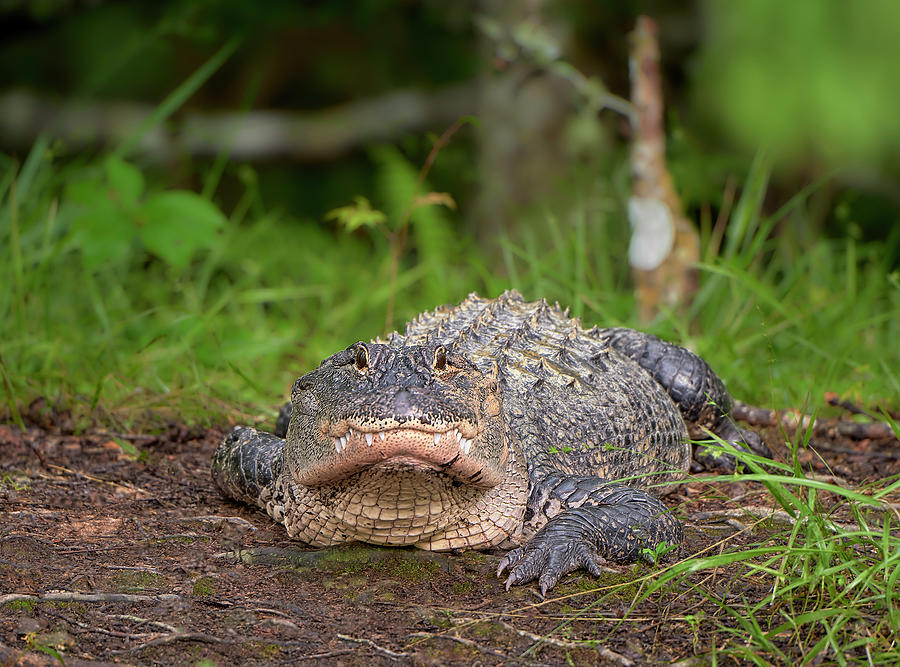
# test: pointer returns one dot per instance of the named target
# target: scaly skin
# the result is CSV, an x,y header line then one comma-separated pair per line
x,y
499,422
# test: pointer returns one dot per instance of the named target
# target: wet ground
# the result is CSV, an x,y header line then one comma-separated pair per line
x,y
129,555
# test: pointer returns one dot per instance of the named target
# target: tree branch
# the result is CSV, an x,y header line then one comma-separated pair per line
x,y
248,136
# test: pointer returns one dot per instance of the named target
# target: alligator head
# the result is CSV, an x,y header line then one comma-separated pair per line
x,y
419,409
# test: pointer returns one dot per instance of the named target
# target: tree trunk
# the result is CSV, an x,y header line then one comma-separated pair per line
x,y
664,245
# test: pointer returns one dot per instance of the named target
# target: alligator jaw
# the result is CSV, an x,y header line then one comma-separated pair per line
x,y
355,448
341,442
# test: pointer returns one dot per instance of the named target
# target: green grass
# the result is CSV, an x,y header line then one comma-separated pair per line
x,y
831,584
115,324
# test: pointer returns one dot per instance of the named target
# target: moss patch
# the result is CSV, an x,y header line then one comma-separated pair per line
x,y
204,586
137,581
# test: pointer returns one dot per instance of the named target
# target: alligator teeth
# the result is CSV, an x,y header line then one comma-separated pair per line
x,y
337,445
369,438
457,435
437,438
381,435
464,444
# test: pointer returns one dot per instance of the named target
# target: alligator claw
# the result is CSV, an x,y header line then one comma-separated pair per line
x,y
548,559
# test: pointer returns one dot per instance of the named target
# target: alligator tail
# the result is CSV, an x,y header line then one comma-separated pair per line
x,y
692,384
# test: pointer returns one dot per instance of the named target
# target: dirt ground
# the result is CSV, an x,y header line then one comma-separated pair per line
x,y
131,556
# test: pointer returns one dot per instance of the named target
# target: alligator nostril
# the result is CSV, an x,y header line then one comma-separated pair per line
x,y
403,402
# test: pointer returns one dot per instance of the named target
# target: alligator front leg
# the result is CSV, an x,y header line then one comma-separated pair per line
x,y
598,519
246,463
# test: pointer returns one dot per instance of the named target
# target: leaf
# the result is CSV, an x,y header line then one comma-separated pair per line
x,y
435,199
88,193
105,236
103,231
174,225
125,179
127,448
359,215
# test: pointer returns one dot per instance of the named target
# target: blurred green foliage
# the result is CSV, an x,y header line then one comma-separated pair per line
x,y
812,80
815,80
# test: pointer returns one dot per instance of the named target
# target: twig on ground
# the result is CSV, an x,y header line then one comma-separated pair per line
x,y
373,645
605,653
461,640
779,516
175,637
130,568
79,473
65,596
214,518
832,399
143,621
267,610
103,631
322,656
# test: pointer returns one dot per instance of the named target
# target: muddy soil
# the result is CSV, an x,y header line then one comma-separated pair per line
x,y
113,554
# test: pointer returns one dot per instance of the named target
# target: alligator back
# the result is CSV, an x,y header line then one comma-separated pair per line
x,y
572,403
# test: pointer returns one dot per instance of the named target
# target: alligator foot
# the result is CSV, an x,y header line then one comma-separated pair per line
x,y
624,525
246,462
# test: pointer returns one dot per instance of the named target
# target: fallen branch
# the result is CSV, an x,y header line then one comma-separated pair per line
x,y
247,136
793,420
143,621
778,516
176,637
833,399
322,656
103,631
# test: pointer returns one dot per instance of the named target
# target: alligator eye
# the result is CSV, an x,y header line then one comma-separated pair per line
x,y
440,358
362,358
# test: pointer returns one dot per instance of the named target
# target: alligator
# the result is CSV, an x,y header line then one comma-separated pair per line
x,y
496,423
